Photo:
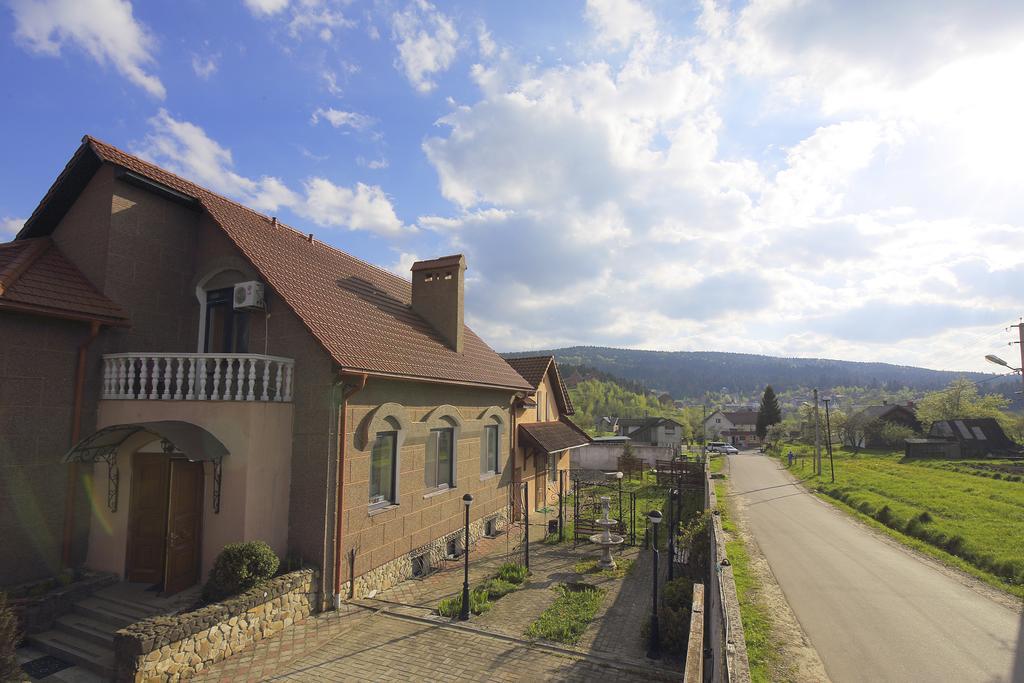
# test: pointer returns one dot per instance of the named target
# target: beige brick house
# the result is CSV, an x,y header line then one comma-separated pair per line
x,y
544,432
181,372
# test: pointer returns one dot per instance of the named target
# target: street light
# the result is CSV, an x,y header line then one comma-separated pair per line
x,y
464,614
992,358
654,646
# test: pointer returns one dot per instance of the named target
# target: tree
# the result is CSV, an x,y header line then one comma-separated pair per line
x,y
961,400
769,413
895,435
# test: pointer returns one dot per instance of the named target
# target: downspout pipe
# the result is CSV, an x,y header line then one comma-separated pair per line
x,y
76,434
348,392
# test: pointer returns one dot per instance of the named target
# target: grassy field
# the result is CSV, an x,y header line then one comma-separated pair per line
x,y
967,513
757,628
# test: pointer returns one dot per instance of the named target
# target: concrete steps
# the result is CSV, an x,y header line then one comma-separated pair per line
x,y
86,636
71,648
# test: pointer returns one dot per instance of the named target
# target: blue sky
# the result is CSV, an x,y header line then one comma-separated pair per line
x,y
825,179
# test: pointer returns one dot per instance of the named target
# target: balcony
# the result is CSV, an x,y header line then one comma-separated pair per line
x,y
197,377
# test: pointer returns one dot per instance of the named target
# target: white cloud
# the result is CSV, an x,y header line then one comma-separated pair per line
x,y
105,29
9,227
427,43
205,66
403,265
364,207
343,119
620,22
739,190
185,148
266,7
373,164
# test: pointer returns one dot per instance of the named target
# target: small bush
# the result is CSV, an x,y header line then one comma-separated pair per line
x,y
924,517
478,603
867,508
499,588
239,567
674,629
513,573
678,594
9,669
913,527
884,515
954,545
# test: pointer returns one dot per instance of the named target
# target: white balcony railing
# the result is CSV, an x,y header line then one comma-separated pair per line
x,y
197,377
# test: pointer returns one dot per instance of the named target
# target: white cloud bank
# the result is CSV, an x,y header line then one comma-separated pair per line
x,y
185,148
105,29
629,201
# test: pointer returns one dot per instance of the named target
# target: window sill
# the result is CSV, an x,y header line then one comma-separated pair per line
x,y
489,475
373,512
438,492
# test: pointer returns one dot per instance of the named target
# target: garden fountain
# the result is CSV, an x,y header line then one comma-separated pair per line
x,y
606,539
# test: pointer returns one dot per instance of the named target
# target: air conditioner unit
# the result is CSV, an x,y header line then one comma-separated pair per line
x,y
249,296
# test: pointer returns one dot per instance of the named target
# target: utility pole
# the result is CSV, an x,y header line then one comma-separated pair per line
x,y
1020,331
817,437
828,432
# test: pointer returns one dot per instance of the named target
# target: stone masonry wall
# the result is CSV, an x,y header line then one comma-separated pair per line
x,y
177,647
401,569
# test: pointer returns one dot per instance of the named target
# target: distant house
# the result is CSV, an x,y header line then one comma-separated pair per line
x,y
657,431
738,428
967,438
859,431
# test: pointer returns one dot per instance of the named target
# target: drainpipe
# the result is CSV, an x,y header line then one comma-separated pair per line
x,y
348,392
76,434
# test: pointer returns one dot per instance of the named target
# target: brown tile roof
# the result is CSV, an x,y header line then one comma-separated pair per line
x,y
533,369
35,277
552,437
744,417
360,314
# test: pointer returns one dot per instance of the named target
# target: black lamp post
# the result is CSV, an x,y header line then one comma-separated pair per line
x,y
673,523
464,614
654,647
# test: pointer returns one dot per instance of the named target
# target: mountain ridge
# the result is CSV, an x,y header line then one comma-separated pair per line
x,y
694,373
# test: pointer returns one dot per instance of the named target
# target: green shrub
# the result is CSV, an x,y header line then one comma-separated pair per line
x,y
239,567
924,517
867,508
674,629
513,573
678,594
9,669
954,545
499,588
478,603
884,515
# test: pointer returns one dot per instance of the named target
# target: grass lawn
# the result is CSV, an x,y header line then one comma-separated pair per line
x,y
956,511
757,628
717,463
622,567
567,617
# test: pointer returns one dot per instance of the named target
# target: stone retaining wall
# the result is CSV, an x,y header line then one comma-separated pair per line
x,y
171,648
401,569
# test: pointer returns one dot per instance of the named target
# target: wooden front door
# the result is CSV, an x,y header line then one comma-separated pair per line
x,y
184,525
147,518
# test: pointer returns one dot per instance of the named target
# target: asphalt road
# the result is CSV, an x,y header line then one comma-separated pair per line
x,y
874,611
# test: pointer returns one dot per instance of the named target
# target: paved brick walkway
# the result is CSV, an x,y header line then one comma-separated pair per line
x,y
395,636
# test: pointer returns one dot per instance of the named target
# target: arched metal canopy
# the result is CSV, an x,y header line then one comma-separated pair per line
x,y
190,440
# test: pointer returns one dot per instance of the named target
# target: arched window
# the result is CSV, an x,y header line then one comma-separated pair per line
x,y
491,435
222,329
385,431
440,467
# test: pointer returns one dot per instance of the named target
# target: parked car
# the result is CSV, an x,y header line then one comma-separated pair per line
x,y
715,446
729,450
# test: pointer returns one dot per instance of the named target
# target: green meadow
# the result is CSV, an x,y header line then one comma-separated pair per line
x,y
969,514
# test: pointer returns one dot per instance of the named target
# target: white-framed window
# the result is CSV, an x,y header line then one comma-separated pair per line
x,y
383,470
670,429
490,450
439,469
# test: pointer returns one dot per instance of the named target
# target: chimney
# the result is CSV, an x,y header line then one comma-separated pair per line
x,y
438,288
